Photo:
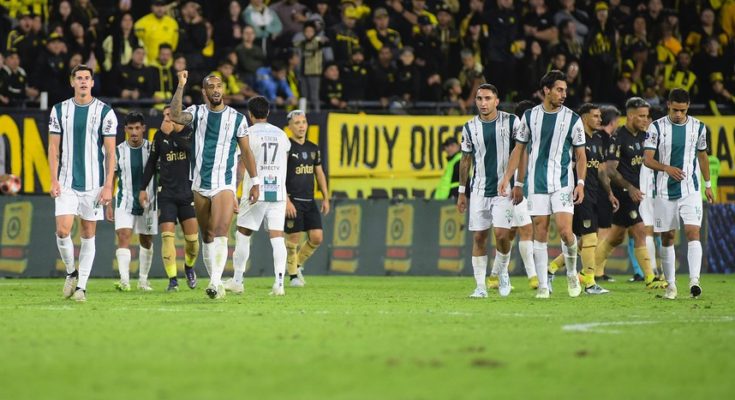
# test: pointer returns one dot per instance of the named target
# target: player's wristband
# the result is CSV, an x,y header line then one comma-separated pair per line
x,y
580,182
518,184
461,189
255,180
708,184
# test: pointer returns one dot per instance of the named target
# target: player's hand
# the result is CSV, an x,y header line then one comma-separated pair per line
x,y
143,198
517,194
461,203
110,214
290,210
676,173
578,195
105,196
325,206
614,201
710,195
503,187
55,189
635,195
254,194
183,76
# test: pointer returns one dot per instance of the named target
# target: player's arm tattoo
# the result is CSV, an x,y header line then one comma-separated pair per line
x,y
464,168
240,170
604,179
615,177
177,115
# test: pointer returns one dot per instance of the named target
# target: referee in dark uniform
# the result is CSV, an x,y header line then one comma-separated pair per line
x,y
169,158
302,212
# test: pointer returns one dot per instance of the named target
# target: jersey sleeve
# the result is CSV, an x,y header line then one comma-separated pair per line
x,y
318,158
524,131
651,142
242,130
109,124
702,137
54,123
466,139
192,109
578,136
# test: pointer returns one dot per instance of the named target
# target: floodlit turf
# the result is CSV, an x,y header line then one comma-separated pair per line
x,y
366,338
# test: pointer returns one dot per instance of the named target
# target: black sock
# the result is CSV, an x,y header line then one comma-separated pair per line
x,y
78,288
293,277
73,274
186,267
173,280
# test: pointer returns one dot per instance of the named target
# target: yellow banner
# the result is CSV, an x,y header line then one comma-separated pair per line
x,y
356,188
451,239
722,142
386,146
346,239
16,236
399,238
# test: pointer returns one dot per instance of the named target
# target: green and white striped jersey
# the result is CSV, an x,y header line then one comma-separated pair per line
x,y
82,151
490,143
130,166
214,146
677,145
550,138
270,147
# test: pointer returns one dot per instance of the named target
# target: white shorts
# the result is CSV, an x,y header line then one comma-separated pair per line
x,y
551,203
210,193
146,224
490,211
645,209
83,204
667,212
251,216
521,217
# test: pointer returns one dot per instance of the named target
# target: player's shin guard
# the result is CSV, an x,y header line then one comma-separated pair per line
x,y
292,250
602,252
86,259
123,264
541,259
66,251
570,256
146,259
191,249
694,257
589,244
479,268
641,254
218,259
279,259
168,253
240,256
307,249
525,247
668,263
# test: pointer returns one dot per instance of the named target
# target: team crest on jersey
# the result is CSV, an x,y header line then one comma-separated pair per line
x,y
313,154
633,214
304,155
612,148
637,146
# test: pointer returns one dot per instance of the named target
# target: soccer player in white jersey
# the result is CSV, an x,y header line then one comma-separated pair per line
x,y
129,214
487,140
551,130
270,146
81,154
674,146
219,134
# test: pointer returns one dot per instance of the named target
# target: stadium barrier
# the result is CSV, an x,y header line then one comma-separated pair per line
x,y
362,237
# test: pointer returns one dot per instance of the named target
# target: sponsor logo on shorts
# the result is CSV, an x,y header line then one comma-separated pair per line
x,y
289,224
698,210
658,222
587,223
633,214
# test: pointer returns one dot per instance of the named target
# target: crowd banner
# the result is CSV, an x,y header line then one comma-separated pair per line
x,y
362,237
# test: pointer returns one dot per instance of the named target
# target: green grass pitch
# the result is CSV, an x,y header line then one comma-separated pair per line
x,y
366,338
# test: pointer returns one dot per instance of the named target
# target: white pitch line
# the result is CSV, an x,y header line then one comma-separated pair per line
x,y
602,327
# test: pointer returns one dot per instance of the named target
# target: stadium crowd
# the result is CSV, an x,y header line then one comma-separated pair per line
x,y
391,53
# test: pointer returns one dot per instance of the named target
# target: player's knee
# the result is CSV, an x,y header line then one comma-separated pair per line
x,y
146,241
589,240
62,232
480,241
291,247
316,239
692,234
191,248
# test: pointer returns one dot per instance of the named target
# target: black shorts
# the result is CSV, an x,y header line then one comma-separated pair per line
x,y
627,215
605,212
585,218
307,217
175,206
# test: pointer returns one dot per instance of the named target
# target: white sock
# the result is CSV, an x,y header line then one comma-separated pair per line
x,y
218,256
668,262
86,259
570,256
479,267
541,260
123,264
66,251
279,259
206,256
694,257
502,260
525,247
651,247
240,256
145,258
495,270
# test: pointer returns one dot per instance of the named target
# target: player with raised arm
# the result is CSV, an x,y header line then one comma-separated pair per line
x,y
624,162
270,146
219,134
674,146
487,140
130,216
169,161
551,130
81,153
302,213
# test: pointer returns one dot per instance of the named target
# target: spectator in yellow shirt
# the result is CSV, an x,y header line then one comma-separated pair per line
x,y
157,28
